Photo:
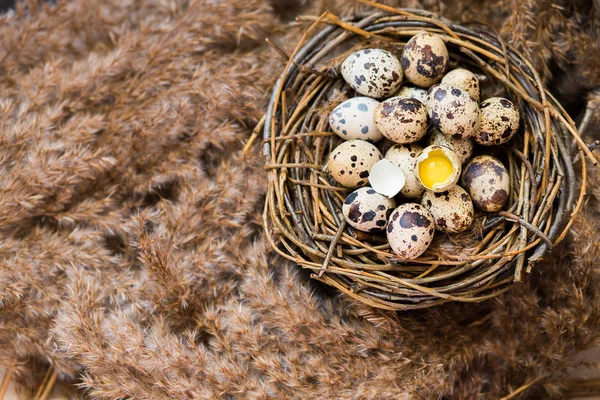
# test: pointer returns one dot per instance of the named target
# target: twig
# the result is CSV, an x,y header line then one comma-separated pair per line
x,y
6,381
520,389
331,249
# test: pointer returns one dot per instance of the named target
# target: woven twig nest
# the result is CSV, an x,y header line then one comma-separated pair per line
x,y
303,217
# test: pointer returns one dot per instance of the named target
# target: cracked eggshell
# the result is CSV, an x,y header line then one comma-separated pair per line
x,y
401,119
424,59
366,210
452,210
434,151
413,93
486,180
463,79
452,111
353,119
410,230
386,178
499,121
462,147
350,163
404,156
374,73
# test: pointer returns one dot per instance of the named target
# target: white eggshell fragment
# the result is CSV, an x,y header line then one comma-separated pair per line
x,y
353,119
350,163
413,93
437,168
499,121
374,73
404,156
451,210
366,210
386,178
401,119
463,79
486,180
452,111
462,147
410,230
424,59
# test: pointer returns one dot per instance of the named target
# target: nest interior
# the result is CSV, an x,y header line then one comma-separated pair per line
x,y
303,206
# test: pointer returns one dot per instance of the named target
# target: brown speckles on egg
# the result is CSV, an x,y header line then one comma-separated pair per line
x,y
462,147
353,119
499,121
452,210
366,210
372,72
401,120
410,230
424,59
477,177
404,157
344,162
413,93
452,111
463,79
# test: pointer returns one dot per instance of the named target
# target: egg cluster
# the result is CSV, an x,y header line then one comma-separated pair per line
x,y
430,127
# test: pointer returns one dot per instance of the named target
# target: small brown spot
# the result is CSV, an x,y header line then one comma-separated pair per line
x,y
411,219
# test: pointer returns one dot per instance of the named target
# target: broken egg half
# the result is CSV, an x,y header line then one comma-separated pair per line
x,y
437,168
387,178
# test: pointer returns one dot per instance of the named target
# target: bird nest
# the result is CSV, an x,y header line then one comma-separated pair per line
x,y
302,215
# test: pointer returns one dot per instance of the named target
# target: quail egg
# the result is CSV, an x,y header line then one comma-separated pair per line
x,y
452,111
424,59
413,93
486,179
460,146
499,121
404,156
353,119
451,210
463,79
350,162
373,72
367,210
437,168
410,230
401,119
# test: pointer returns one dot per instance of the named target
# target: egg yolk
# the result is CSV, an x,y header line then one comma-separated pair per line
x,y
435,169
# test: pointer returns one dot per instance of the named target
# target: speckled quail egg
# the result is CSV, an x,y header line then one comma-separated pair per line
x,y
499,121
424,59
452,111
451,210
413,93
463,79
353,119
460,146
437,168
486,180
367,210
410,230
404,156
401,119
373,72
350,162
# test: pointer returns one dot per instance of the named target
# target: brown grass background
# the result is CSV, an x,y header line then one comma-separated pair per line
x,y
132,256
